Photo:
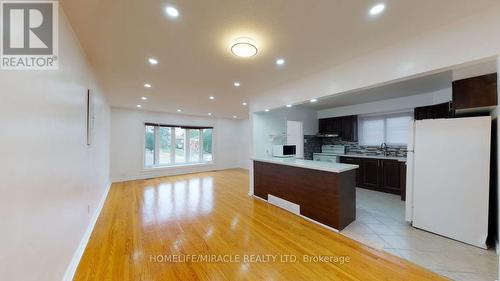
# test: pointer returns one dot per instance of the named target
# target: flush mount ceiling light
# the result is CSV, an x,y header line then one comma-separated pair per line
x,y
144,98
237,84
266,110
244,47
313,100
147,85
209,114
139,106
377,9
288,105
211,97
244,103
153,61
179,110
234,116
172,12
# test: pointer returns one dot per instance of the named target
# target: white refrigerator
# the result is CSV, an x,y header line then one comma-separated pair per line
x,y
448,177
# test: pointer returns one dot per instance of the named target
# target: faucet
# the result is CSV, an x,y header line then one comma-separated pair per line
x,y
383,146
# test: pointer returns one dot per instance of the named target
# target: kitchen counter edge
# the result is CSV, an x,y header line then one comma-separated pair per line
x,y
309,164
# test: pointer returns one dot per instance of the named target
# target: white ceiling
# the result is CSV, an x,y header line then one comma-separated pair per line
x,y
195,63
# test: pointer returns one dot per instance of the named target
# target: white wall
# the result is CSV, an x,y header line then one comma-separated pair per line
x,y
52,182
388,105
274,122
245,138
127,143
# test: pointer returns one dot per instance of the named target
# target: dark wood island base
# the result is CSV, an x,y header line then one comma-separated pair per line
x,y
326,197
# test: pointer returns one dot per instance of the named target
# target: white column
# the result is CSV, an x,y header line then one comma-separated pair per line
x,y
251,143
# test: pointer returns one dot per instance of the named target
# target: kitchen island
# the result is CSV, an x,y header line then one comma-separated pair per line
x,y
320,191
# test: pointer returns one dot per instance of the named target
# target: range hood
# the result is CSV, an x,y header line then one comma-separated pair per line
x,y
328,135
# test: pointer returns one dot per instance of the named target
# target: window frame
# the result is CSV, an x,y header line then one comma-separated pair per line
x,y
172,164
384,116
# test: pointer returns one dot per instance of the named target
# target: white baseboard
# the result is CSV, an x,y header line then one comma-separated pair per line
x,y
282,203
149,174
70,271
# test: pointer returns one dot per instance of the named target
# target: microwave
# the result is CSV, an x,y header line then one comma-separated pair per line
x,y
288,150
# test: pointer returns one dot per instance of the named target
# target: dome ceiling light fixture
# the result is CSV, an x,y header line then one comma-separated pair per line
x,y
244,47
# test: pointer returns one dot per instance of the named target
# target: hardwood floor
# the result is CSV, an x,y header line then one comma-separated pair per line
x,y
146,222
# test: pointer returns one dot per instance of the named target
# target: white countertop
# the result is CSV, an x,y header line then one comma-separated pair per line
x,y
309,164
400,159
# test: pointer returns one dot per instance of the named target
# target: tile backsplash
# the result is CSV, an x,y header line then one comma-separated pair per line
x,y
313,145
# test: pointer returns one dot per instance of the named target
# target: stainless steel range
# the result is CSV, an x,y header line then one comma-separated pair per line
x,y
330,153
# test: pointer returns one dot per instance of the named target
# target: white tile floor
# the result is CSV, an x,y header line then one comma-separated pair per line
x,y
380,224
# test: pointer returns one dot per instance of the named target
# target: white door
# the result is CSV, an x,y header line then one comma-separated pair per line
x,y
295,135
451,178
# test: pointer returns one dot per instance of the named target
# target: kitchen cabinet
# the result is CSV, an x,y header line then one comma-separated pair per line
x,y
402,180
349,131
371,173
346,127
379,174
442,110
480,91
330,125
355,161
390,176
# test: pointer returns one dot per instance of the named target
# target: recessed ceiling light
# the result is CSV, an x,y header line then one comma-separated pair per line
x,y
280,61
172,12
234,116
288,105
211,97
179,110
147,85
144,98
244,47
244,103
153,61
313,100
139,106
377,9
209,114
237,84
266,110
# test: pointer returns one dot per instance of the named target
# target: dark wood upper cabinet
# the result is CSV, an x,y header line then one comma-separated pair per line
x,y
330,125
346,127
442,110
349,130
475,92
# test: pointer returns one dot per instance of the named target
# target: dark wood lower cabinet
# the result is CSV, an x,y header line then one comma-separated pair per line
x,y
379,174
402,178
355,161
371,173
390,176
